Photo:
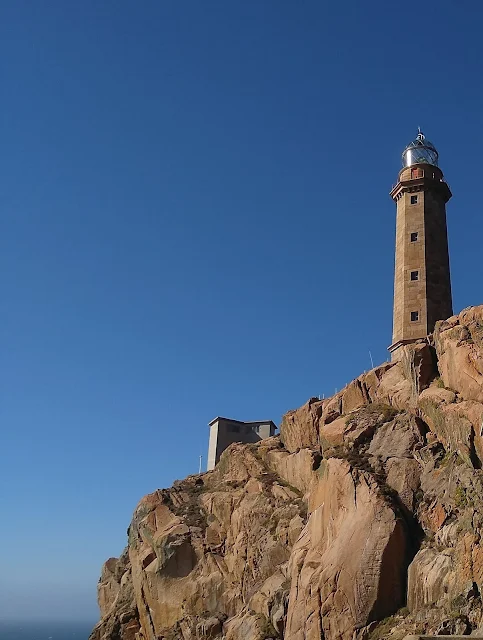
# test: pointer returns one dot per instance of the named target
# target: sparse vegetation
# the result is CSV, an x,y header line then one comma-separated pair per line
x,y
460,497
383,629
132,537
321,468
267,630
385,411
457,604
446,459
477,334
431,410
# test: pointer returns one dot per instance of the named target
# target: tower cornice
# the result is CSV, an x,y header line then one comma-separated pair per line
x,y
420,177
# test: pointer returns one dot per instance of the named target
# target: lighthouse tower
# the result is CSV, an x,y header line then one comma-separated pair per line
x,y
422,285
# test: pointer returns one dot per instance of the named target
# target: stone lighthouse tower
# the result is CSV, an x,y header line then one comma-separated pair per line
x,y
422,285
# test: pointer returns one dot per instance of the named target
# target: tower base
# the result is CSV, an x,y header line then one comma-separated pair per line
x,y
396,348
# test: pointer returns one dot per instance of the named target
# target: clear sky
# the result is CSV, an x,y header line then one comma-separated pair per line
x,y
196,222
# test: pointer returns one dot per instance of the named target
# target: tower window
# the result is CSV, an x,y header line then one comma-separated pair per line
x,y
414,316
414,199
414,275
416,173
414,236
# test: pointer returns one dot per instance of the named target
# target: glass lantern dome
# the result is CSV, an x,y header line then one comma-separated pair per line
x,y
420,151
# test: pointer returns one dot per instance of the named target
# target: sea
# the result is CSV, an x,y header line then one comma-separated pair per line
x,y
45,630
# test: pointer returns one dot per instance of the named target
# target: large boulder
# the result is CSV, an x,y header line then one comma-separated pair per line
x,y
459,347
110,581
398,438
450,422
300,428
348,566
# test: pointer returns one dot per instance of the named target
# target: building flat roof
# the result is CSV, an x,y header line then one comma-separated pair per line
x,y
241,421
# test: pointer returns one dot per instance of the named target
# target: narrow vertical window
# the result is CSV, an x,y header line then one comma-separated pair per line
x,y
414,275
414,199
414,316
414,236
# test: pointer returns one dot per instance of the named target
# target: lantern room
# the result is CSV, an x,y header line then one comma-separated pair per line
x,y
420,151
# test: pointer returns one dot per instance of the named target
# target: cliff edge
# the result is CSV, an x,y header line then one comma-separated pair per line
x,y
363,519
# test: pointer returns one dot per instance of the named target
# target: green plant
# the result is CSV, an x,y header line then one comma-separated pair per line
x,y
456,605
460,497
267,630
287,485
132,537
374,410
446,458
383,628
433,415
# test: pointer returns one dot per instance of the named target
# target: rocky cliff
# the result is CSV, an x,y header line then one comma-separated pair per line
x,y
363,519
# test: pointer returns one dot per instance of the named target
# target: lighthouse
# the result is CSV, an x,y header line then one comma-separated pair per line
x,y
422,283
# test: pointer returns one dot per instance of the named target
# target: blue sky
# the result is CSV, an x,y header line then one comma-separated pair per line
x,y
196,222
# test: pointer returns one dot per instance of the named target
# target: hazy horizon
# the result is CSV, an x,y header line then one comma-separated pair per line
x,y
8,620
38,630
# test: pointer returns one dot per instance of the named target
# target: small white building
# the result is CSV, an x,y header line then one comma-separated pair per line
x,y
224,431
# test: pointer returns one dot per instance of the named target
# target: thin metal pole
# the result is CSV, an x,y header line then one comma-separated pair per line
x,y
201,462
372,362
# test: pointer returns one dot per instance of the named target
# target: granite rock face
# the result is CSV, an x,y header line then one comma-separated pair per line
x,y
363,519
332,591
117,602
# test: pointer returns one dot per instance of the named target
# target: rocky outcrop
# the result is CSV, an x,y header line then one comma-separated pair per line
x,y
212,552
110,581
363,519
117,601
332,591
459,344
